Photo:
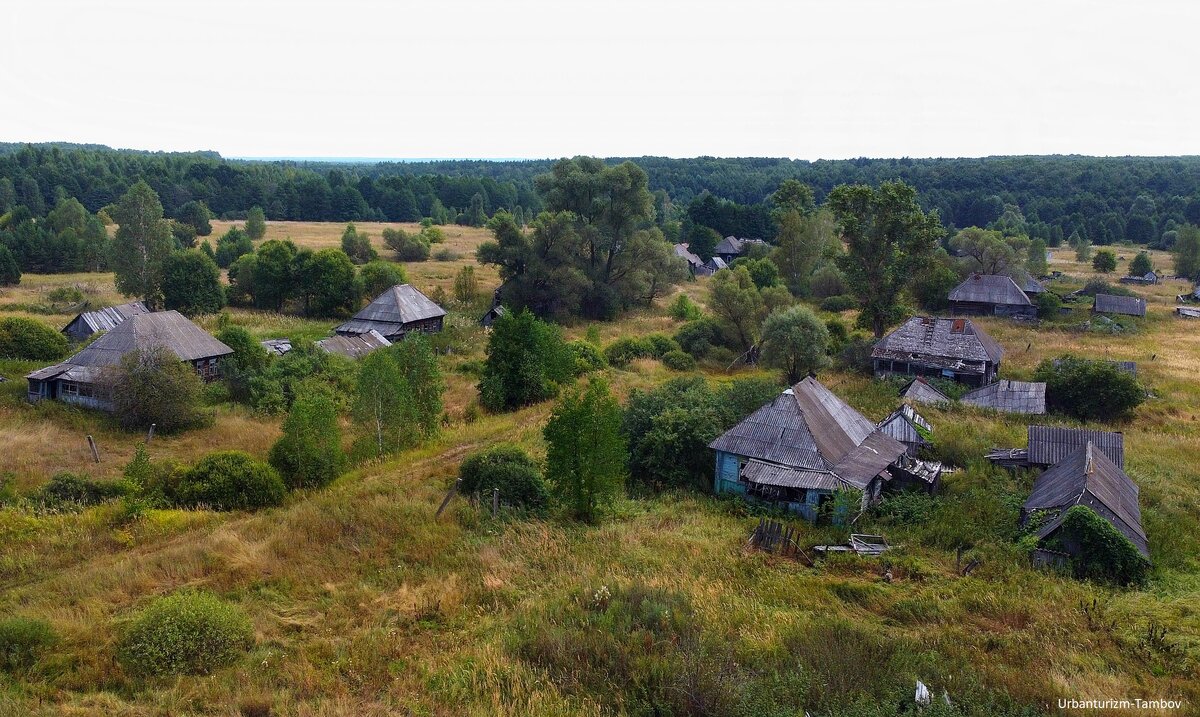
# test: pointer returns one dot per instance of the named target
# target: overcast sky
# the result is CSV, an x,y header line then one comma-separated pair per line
x,y
533,78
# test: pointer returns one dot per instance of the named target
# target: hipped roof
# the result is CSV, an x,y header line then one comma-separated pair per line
x,y
399,305
946,338
990,289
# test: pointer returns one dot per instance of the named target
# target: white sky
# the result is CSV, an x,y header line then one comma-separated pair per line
x,y
534,78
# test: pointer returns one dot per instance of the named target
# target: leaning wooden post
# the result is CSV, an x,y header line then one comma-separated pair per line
x,y
150,433
449,495
495,501
95,451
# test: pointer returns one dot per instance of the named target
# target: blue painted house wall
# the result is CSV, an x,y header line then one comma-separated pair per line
x,y
727,480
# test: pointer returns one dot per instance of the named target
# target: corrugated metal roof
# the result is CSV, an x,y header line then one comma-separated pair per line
x,y
390,311
922,391
105,319
1050,444
769,474
278,347
922,338
1126,305
902,425
354,347
1088,477
989,289
1009,397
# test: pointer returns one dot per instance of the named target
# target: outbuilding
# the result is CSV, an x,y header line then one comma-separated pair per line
x,y
91,322
399,311
952,348
991,295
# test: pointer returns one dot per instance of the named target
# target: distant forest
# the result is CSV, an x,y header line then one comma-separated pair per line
x,y
1102,200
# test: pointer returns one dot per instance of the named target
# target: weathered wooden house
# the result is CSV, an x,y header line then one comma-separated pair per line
x,y
1124,305
694,263
1032,287
942,347
396,312
991,295
80,378
492,314
90,322
919,390
353,346
1047,445
908,427
1148,279
731,248
712,266
1009,397
805,446
1085,476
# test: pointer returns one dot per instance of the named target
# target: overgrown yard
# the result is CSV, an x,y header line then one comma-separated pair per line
x,y
364,603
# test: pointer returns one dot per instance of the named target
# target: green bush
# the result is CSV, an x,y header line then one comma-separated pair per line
x,y
408,247
29,340
309,453
1103,552
1048,305
661,344
700,336
587,357
1089,389
856,354
22,641
508,468
620,352
231,480
184,633
838,304
682,308
70,491
679,361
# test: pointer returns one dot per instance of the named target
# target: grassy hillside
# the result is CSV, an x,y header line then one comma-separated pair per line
x,y
364,603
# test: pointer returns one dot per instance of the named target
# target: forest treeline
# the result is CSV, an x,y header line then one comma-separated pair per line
x,y
1103,200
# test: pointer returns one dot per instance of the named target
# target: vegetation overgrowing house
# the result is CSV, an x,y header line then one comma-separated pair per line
x,y
80,378
941,347
90,322
807,445
398,311
991,295
1047,445
353,346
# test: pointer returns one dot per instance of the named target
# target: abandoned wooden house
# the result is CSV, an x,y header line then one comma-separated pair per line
x,y
942,347
90,322
1186,312
991,295
1085,476
398,311
1032,287
276,347
81,378
712,266
1147,279
731,248
919,390
908,427
805,446
1124,305
1009,397
1047,445
353,346
492,314
694,263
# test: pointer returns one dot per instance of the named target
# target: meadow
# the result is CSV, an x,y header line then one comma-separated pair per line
x,y
364,603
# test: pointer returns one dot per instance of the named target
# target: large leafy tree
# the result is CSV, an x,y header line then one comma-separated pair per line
x,y
736,301
256,224
10,273
399,395
527,361
274,273
1186,252
141,245
586,453
794,340
192,283
325,282
309,453
196,215
804,242
152,386
888,238
991,252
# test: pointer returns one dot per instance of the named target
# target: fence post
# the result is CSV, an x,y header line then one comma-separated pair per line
x,y
495,501
150,433
95,451
449,495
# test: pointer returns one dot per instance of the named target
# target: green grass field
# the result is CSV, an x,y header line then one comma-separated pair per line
x,y
364,604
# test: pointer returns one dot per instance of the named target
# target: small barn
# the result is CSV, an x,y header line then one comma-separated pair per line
x,y
908,427
90,322
1147,279
396,312
492,314
1124,305
942,347
1086,476
1009,397
919,390
712,266
731,247
694,262
80,379
990,295
805,446
1032,287
353,346
1047,445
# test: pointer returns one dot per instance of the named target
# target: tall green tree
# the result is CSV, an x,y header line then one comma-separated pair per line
x,y
378,276
888,238
275,273
418,362
1035,263
141,245
736,301
1186,252
233,244
1141,264
383,403
10,273
192,284
804,242
1105,261
358,245
309,453
794,340
196,215
991,252
256,223
792,196
586,453
527,361
325,282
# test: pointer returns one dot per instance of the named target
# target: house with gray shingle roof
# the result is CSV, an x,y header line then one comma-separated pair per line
x,y
942,347
90,322
80,378
1124,305
731,247
396,312
991,295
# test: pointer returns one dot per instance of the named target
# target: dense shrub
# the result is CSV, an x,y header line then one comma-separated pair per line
x,y
191,283
1089,389
309,453
231,480
1048,305
587,357
827,281
838,304
1100,286
378,276
152,386
661,344
510,469
1105,261
679,361
248,360
1103,552
275,388
682,308
700,336
29,340
856,354
628,348
22,641
67,491
184,633
408,246
527,362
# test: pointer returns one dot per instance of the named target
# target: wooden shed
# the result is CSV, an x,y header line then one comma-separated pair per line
x,y
396,312
91,322
354,346
909,427
1124,305
991,295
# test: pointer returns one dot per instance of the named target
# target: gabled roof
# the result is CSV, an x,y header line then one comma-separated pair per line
x,y
716,263
391,310
922,391
809,429
683,251
169,329
1009,397
354,347
1032,286
734,245
1050,444
1127,305
924,337
1088,477
105,319
989,289
902,425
